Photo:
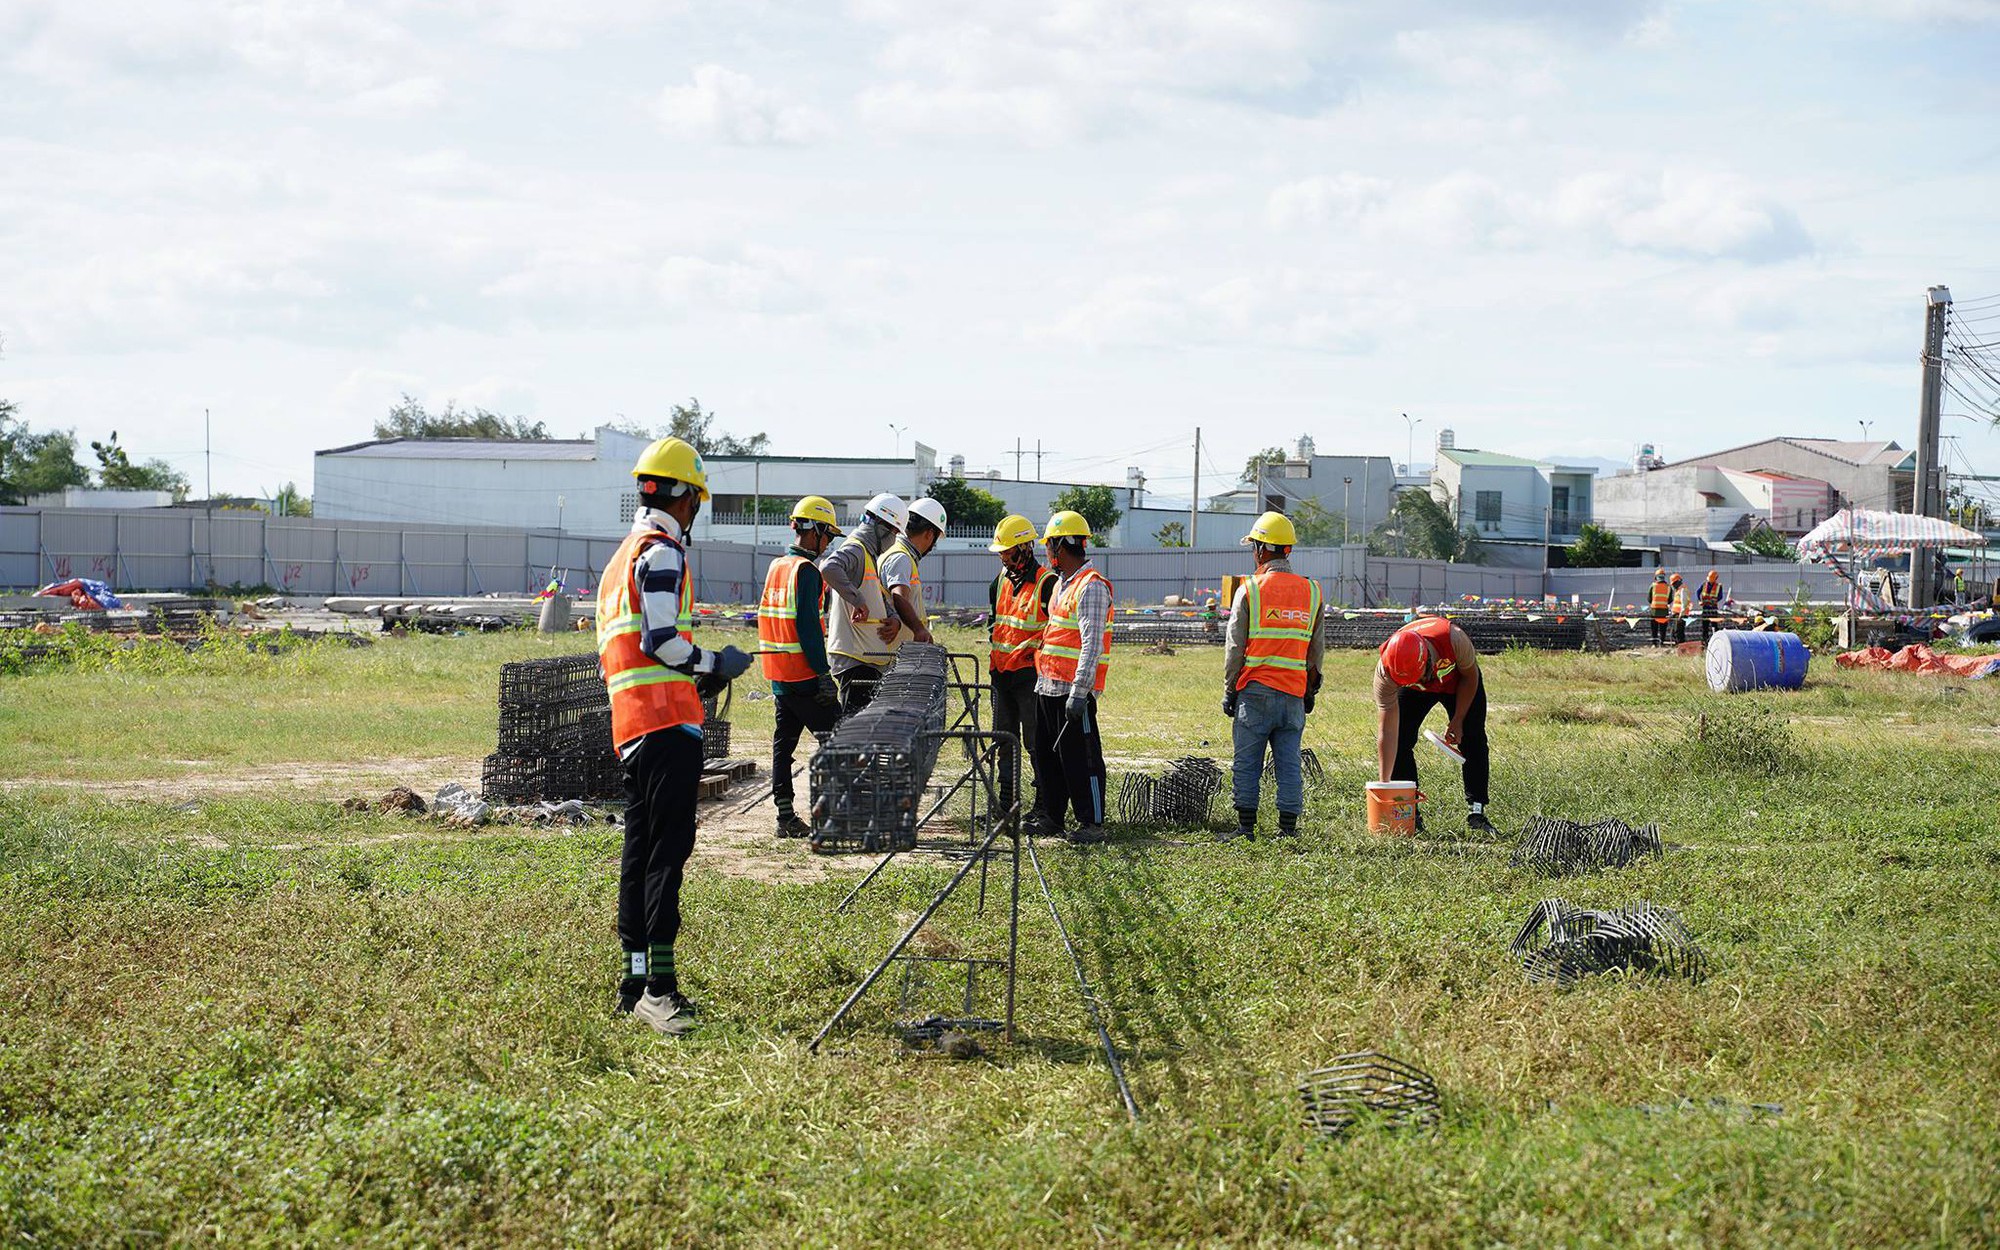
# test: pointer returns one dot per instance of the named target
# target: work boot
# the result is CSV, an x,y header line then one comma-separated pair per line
x,y
630,991
1036,824
1288,824
670,1015
1246,825
790,826
1477,823
1084,834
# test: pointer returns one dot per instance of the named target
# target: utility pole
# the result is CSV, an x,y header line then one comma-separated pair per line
x,y
1017,459
1924,494
1346,511
1038,459
1364,499
207,457
1194,509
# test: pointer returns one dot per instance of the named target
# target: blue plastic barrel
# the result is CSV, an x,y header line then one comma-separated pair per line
x,y
1754,659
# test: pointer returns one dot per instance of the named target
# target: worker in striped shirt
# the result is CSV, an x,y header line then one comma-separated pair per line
x,y
1069,675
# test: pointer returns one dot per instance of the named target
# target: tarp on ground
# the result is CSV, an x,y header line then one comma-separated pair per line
x,y
1860,530
85,593
1918,658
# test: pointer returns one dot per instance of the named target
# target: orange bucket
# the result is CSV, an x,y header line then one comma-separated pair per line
x,y
1392,807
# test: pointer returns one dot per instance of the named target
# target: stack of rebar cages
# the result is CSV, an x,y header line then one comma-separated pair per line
x,y
714,730
870,776
555,734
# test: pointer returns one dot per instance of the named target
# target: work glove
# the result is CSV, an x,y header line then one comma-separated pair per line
x,y
731,663
1312,690
1229,703
824,689
1075,708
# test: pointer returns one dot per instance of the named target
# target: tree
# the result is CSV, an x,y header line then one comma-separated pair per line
x,y
289,502
409,419
1317,526
690,423
1172,534
1762,540
115,470
1097,504
966,504
1254,467
1595,548
34,463
1421,527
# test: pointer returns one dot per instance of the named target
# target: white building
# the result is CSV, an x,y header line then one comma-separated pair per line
x,y
1505,498
98,497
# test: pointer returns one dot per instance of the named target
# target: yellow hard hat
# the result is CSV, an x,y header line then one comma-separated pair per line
x,y
1066,524
675,460
818,509
1011,533
1273,529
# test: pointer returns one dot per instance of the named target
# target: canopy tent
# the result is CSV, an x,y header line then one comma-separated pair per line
x,y
1861,532
1858,531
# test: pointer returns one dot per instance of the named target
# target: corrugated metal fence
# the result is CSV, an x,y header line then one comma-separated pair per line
x,y
188,549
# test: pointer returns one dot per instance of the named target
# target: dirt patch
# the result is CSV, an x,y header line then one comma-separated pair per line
x,y
316,779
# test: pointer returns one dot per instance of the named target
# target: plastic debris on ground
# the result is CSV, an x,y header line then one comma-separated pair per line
x,y
1918,658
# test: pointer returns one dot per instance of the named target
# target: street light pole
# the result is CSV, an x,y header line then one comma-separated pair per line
x,y
1346,529
899,437
1410,442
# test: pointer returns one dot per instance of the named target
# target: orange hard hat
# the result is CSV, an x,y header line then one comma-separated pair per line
x,y
1404,657
1675,579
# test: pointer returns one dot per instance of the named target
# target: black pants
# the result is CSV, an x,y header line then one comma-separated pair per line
x,y
1411,708
661,780
1680,629
857,687
1016,712
1707,624
1659,631
1069,762
798,711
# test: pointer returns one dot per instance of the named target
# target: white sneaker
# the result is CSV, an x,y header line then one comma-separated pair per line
x,y
668,1017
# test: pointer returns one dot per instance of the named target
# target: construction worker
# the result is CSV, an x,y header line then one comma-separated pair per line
x,y
1709,599
1020,600
655,676
865,633
1070,668
1958,587
1677,606
791,646
925,525
1662,596
1428,662
1271,673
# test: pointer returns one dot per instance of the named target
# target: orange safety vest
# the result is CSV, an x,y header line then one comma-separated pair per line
x,y
778,649
1662,594
1284,610
1062,639
1711,594
1444,679
1018,620
646,695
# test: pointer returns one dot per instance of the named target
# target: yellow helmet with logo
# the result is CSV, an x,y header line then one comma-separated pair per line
x,y
1011,533
1066,524
819,510
675,460
1273,529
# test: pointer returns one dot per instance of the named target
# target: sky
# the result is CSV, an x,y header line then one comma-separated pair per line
x,y
1556,227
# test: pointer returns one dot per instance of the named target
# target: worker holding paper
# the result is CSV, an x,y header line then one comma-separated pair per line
x,y
1429,662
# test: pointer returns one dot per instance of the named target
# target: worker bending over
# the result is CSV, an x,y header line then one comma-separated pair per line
x,y
864,633
1271,673
1662,597
1020,600
655,675
921,531
1069,675
1710,600
791,647
1429,662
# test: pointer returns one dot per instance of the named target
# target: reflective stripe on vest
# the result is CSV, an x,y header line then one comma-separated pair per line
x,y
857,640
1437,631
1062,638
1018,618
1710,595
1283,610
778,649
916,580
1661,594
646,695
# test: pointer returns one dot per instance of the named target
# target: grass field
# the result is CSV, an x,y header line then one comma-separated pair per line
x,y
231,1012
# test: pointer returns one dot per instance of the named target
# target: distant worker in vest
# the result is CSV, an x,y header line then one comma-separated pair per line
x,y
1662,596
1070,669
1271,673
791,646
1958,587
899,567
1020,598
1677,607
655,676
1429,662
863,630
1709,599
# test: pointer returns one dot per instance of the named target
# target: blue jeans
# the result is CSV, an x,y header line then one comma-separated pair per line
x,y
1264,715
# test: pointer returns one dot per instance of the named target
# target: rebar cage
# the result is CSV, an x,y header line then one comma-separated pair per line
x,y
1575,942
554,735
1556,848
871,773
1366,1087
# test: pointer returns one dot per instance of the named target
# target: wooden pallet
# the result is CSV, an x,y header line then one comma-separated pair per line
x,y
716,779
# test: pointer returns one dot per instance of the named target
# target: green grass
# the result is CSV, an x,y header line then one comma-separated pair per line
x,y
262,1019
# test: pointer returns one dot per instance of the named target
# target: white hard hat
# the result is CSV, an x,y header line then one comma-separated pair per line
x,y
890,510
930,510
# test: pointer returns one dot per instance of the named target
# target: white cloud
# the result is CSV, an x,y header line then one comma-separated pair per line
x,y
1681,214
1286,307
1920,10
1483,59
729,107
1327,199
1032,116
